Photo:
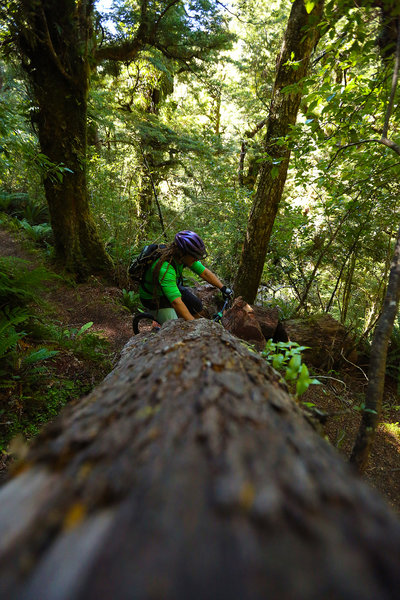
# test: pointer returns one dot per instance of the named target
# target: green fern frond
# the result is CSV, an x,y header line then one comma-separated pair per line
x,y
19,286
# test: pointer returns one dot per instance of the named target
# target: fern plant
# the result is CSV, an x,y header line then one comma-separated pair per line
x,y
19,286
9,336
130,300
41,234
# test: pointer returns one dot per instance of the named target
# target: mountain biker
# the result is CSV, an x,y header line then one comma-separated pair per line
x,y
162,292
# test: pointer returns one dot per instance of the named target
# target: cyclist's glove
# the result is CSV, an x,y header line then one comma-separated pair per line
x,y
226,292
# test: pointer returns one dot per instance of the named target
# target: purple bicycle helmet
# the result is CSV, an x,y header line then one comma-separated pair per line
x,y
190,243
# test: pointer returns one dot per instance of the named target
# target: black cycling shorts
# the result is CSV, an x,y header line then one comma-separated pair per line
x,y
192,302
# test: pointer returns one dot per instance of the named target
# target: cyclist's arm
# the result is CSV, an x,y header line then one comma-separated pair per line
x,y
181,309
209,276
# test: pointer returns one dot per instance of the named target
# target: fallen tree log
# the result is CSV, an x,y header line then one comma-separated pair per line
x,y
189,473
330,343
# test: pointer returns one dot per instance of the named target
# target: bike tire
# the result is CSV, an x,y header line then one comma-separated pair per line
x,y
141,317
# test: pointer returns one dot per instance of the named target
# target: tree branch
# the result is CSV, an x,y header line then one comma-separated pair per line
x,y
155,194
395,147
164,12
126,51
50,46
384,139
375,141
257,128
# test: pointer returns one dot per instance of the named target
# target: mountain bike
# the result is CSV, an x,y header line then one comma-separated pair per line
x,y
145,322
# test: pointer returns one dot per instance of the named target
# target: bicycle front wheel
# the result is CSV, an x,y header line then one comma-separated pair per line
x,y
144,322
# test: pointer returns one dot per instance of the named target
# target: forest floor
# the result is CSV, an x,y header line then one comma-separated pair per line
x,y
340,394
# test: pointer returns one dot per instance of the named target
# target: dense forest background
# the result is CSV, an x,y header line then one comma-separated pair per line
x,y
178,141
123,123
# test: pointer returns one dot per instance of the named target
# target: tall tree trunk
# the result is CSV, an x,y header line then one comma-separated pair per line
x,y
347,287
301,36
54,39
62,136
191,474
377,366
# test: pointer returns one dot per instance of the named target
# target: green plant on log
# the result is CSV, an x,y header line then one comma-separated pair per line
x,y
286,357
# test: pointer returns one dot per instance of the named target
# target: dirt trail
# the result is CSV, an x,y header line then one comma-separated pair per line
x,y
76,305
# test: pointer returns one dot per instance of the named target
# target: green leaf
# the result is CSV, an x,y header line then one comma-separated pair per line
x,y
277,361
274,172
304,372
309,6
84,328
295,363
301,386
290,375
39,355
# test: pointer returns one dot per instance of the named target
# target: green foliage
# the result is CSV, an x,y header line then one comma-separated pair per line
x,y
33,389
286,357
130,300
9,336
29,349
27,414
19,285
80,341
40,234
25,208
53,171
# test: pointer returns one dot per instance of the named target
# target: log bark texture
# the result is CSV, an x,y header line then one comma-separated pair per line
x,y
190,473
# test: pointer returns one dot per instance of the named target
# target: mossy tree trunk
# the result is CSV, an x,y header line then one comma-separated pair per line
x,y
62,135
54,39
301,36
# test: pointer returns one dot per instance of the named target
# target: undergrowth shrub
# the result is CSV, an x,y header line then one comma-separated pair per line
x,y
19,285
130,300
80,341
40,234
32,350
21,206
